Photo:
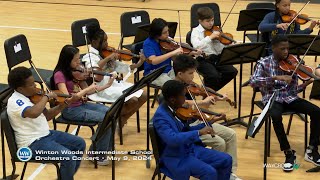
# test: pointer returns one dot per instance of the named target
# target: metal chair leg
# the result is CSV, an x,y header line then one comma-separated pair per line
x,y
306,132
155,97
78,129
67,129
58,170
120,131
23,170
269,135
138,121
289,124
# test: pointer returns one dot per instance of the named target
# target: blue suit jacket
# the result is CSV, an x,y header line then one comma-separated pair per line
x,y
175,142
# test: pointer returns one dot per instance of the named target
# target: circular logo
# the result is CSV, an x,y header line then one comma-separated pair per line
x,y
24,154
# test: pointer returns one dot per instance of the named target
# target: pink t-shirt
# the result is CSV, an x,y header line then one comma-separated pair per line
x,y
71,86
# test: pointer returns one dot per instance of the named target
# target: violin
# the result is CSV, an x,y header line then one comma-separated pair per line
x,y
124,55
186,112
171,45
200,91
40,93
80,73
300,19
304,72
225,38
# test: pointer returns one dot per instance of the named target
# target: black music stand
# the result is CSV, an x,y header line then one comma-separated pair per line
x,y
146,81
250,19
255,126
241,54
143,32
110,119
299,43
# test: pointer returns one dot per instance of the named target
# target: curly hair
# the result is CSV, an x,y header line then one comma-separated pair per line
x,y
17,77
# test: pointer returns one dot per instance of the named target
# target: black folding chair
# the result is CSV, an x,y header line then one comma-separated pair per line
x,y
194,8
78,29
129,23
7,130
285,112
17,51
156,151
264,5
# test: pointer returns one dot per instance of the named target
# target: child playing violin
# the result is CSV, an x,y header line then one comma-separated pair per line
x,y
159,31
270,78
215,77
29,122
273,24
63,80
180,156
99,43
225,139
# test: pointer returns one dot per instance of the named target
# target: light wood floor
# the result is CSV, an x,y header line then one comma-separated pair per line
x,y
46,24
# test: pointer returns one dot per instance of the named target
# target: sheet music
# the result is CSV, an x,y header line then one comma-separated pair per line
x,y
125,78
263,113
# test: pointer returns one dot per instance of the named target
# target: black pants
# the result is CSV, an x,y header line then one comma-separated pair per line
x,y
300,106
215,77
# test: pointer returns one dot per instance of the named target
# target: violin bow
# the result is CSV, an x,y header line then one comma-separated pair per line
x,y
35,69
304,55
200,112
179,27
204,87
84,30
298,13
229,14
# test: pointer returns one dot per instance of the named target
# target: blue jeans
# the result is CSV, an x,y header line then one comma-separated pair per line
x,y
91,112
60,142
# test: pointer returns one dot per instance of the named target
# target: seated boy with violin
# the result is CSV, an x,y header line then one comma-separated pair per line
x,y
278,22
269,78
109,63
215,77
225,139
180,155
157,57
29,122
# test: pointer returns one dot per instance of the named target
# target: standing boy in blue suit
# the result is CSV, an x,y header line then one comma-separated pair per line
x,y
179,154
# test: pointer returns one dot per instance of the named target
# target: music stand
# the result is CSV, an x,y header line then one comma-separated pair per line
x,y
113,113
299,43
250,19
241,54
146,81
142,32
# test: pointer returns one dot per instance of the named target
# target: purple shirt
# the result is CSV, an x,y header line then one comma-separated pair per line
x,y
71,86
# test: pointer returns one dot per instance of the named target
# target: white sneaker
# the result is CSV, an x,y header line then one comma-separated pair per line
x,y
234,177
